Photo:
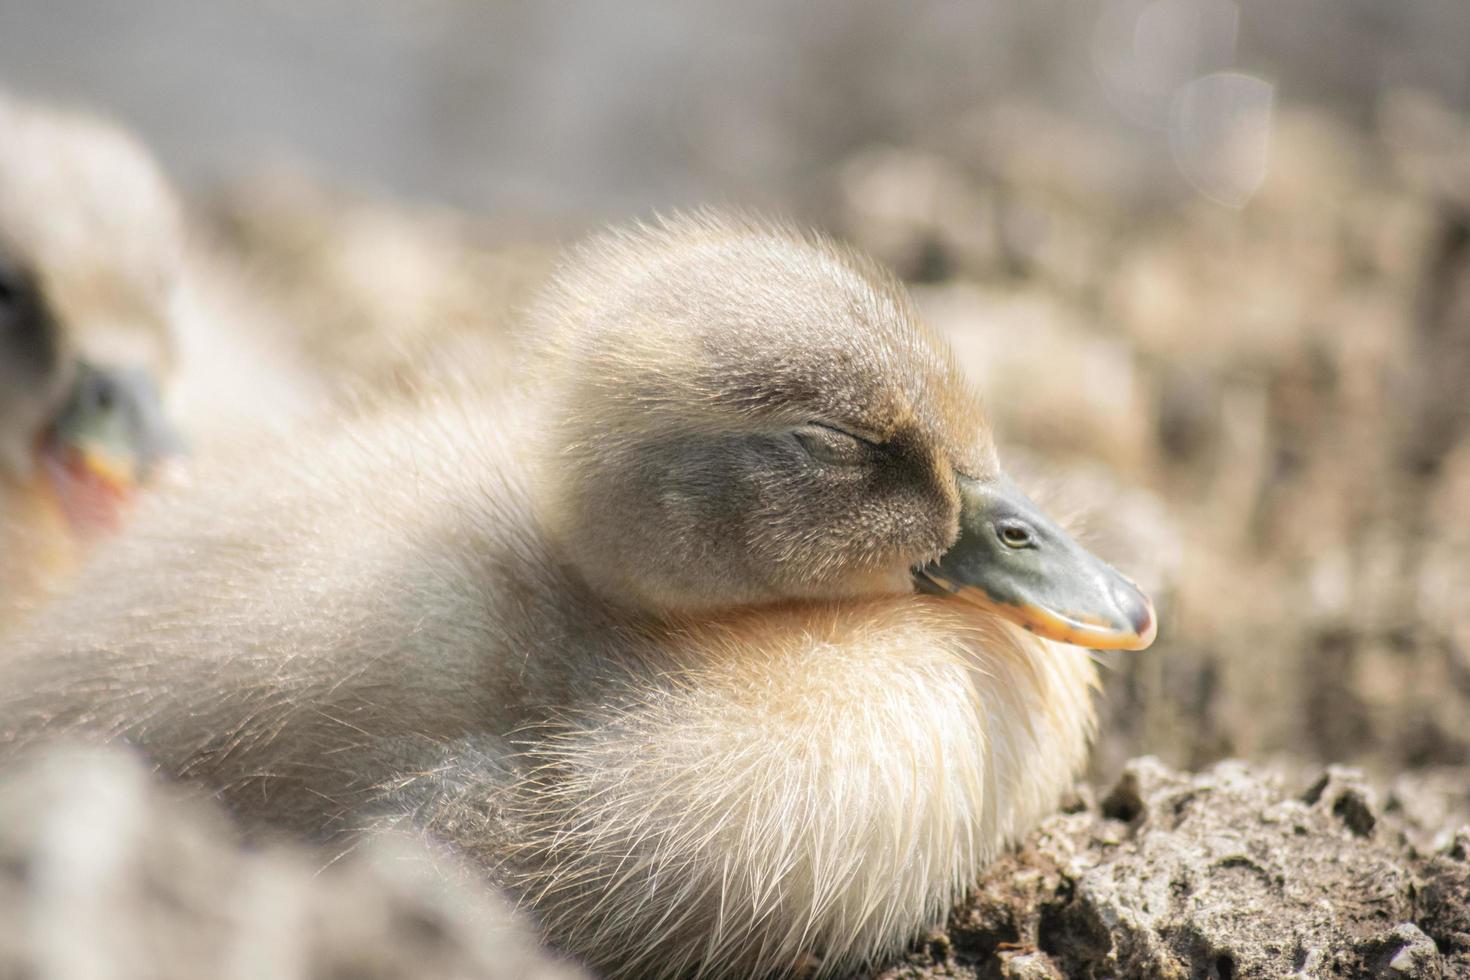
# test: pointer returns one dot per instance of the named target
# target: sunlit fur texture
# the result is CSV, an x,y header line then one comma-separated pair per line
x,y
89,222
424,620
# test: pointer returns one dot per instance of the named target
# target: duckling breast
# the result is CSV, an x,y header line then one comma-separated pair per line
x,y
818,778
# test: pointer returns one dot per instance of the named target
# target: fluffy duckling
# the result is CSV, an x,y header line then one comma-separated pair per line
x,y
729,648
90,245
116,325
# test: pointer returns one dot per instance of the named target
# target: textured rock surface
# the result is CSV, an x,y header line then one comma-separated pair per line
x,y
105,875
1219,875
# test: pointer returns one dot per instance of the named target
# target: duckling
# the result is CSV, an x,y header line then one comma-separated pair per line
x,y
724,645
90,241
124,339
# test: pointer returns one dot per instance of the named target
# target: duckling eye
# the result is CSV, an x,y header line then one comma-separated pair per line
x,y
18,307
11,288
833,446
1014,534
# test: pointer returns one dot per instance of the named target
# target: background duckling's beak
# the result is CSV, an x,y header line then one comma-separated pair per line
x,y
1013,561
108,439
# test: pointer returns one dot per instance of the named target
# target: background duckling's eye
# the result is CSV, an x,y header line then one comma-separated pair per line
x,y
20,312
11,289
828,445
1015,534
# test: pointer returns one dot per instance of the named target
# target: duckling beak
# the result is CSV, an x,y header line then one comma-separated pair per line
x,y
107,440
1014,561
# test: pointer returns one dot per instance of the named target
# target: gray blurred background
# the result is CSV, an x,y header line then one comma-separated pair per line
x,y
559,112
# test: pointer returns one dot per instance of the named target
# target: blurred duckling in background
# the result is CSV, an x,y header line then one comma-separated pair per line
x,y
122,339
724,646
90,249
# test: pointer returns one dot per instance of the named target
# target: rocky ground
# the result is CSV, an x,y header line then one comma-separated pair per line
x,y
1215,876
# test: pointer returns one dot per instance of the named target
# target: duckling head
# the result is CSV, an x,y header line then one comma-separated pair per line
x,y
741,414
90,251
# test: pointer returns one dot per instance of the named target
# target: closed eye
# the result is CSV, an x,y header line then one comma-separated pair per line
x,y
834,446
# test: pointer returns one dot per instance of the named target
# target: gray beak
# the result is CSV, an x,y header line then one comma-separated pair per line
x,y
1014,561
113,424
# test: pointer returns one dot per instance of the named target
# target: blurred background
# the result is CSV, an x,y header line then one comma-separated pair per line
x,y
1209,262
559,110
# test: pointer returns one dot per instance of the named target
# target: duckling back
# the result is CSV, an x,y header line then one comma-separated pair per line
x,y
348,593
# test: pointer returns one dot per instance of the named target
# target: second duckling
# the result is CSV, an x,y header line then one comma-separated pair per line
x,y
91,242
